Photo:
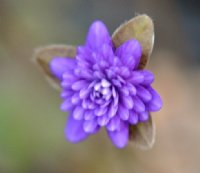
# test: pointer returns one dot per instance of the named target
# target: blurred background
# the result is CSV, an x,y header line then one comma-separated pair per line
x,y
31,124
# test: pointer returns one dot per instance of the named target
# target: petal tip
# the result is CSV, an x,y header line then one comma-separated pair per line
x,y
74,130
97,35
119,137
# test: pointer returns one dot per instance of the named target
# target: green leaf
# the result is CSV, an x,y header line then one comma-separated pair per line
x,y
143,134
44,55
141,28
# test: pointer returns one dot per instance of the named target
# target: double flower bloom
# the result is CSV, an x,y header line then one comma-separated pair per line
x,y
103,86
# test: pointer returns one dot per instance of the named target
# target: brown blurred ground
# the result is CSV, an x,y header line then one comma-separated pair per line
x,y
31,124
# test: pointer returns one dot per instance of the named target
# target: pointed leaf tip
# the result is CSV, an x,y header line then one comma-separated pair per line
x,y
43,56
143,134
141,28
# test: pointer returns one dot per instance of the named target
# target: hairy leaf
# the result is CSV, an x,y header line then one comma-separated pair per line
x,y
44,55
141,28
143,134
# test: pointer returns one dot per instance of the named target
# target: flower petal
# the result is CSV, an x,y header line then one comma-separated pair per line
x,y
125,72
68,79
144,116
113,124
123,113
59,65
78,113
66,105
156,102
119,137
128,102
90,126
89,115
148,77
74,130
75,99
84,92
132,89
103,120
136,77
100,111
83,52
133,117
78,85
138,105
66,94
107,52
130,53
112,110
143,93
97,36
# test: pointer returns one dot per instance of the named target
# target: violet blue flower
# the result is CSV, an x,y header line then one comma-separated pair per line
x,y
103,87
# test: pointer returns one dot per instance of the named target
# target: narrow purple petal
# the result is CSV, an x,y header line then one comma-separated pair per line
x,y
74,130
113,124
87,56
90,126
103,120
97,36
130,52
144,94
144,116
132,89
66,105
59,65
137,77
84,93
83,53
156,102
133,117
123,112
116,83
107,52
138,105
78,113
89,115
110,74
66,84
125,72
66,94
100,111
78,85
86,73
127,102
103,63
99,101
88,104
68,79
119,137
124,90
69,76
148,77
82,65
115,96
98,74
112,110
75,99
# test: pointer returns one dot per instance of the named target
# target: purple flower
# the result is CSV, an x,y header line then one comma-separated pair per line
x,y
103,87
